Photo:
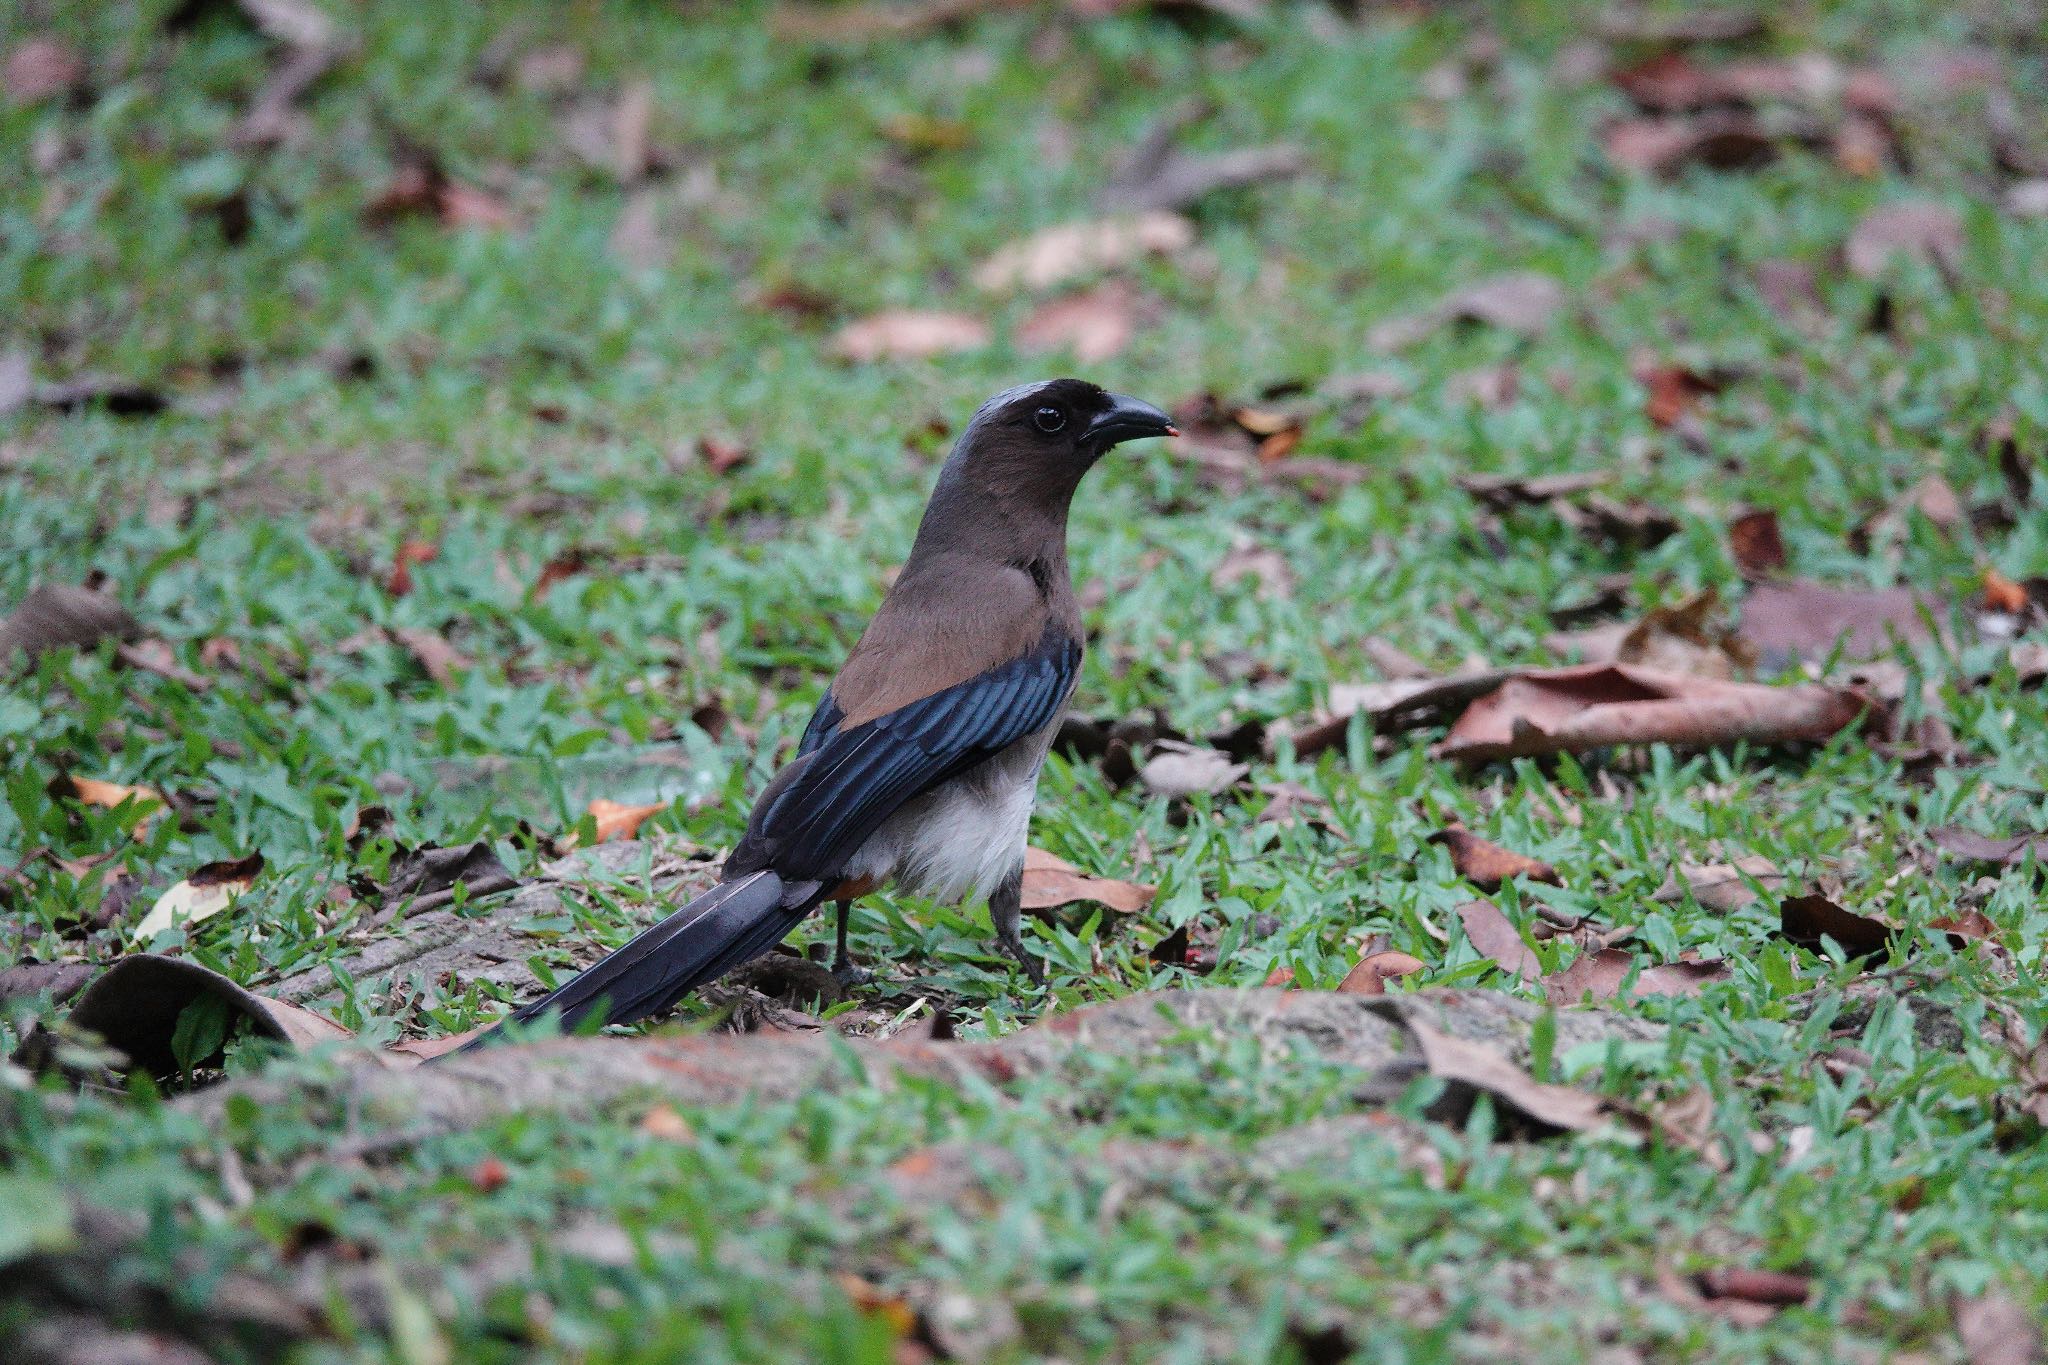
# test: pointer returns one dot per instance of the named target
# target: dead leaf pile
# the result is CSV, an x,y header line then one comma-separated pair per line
x,y
1524,303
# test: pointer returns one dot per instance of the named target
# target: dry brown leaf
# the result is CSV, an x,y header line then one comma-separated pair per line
x,y
1495,935
1997,1330
40,68
1973,847
1486,865
1479,1068
1966,926
1051,881
56,615
663,1122
615,820
440,659
637,239
1524,303
1602,972
208,891
1267,566
1374,970
1804,919
1756,544
1593,706
1091,326
1071,251
1800,619
1178,770
1725,140
92,791
398,582
1686,637
1921,229
2000,594
1157,175
1721,886
909,334
1672,391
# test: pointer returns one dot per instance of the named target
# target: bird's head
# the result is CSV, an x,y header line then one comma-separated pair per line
x,y
1063,421
1012,475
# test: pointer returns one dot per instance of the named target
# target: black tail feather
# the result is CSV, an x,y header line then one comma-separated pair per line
x,y
727,925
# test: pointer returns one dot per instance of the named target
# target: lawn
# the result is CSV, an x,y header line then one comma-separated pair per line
x,y
527,408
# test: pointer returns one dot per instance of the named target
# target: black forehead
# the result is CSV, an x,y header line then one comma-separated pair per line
x,y
1072,395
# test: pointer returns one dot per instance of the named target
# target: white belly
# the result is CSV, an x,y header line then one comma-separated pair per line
x,y
961,840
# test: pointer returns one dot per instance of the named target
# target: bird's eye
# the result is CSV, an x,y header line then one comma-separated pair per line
x,y
1048,419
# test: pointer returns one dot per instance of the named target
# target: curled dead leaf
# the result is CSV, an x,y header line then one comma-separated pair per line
x,y
1091,326
56,615
1756,543
1603,973
1051,881
1496,936
1920,229
1593,706
1374,970
1803,920
208,891
1486,865
1721,886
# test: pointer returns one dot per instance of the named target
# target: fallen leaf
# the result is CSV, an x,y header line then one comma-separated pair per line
x,y
1996,1329
1973,847
1523,302
637,240
1686,637
665,1123
155,656
1788,289
1756,544
1051,881
1263,564
1721,886
617,821
1602,972
1178,770
1966,926
440,659
208,891
1725,140
2000,594
1471,1069
1071,251
2027,199
1799,619
1804,919
56,615
419,187
1592,706
398,582
1672,391
91,791
632,120
1495,935
488,1175
909,334
1374,970
430,870
552,70
1776,1287
1487,865
1505,492
1920,229
135,1004
59,980
1401,704
40,68
1091,326
1157,175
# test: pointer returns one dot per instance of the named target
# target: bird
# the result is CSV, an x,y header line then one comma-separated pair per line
x,y
919,768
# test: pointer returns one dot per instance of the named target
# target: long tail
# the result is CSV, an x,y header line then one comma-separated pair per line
x,y
731,923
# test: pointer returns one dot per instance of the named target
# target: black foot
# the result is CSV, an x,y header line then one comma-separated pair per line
x,y
849,973
1014,949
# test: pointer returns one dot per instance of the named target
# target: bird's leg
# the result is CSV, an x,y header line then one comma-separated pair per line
x,y
844,970
1006,910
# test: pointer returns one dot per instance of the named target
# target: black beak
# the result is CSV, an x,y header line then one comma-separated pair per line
x,y
1128,419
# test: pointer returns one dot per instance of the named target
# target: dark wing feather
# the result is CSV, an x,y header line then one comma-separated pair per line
x,y
852,780
824,724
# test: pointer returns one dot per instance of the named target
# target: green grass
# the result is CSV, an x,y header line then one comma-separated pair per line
x,y
527,396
